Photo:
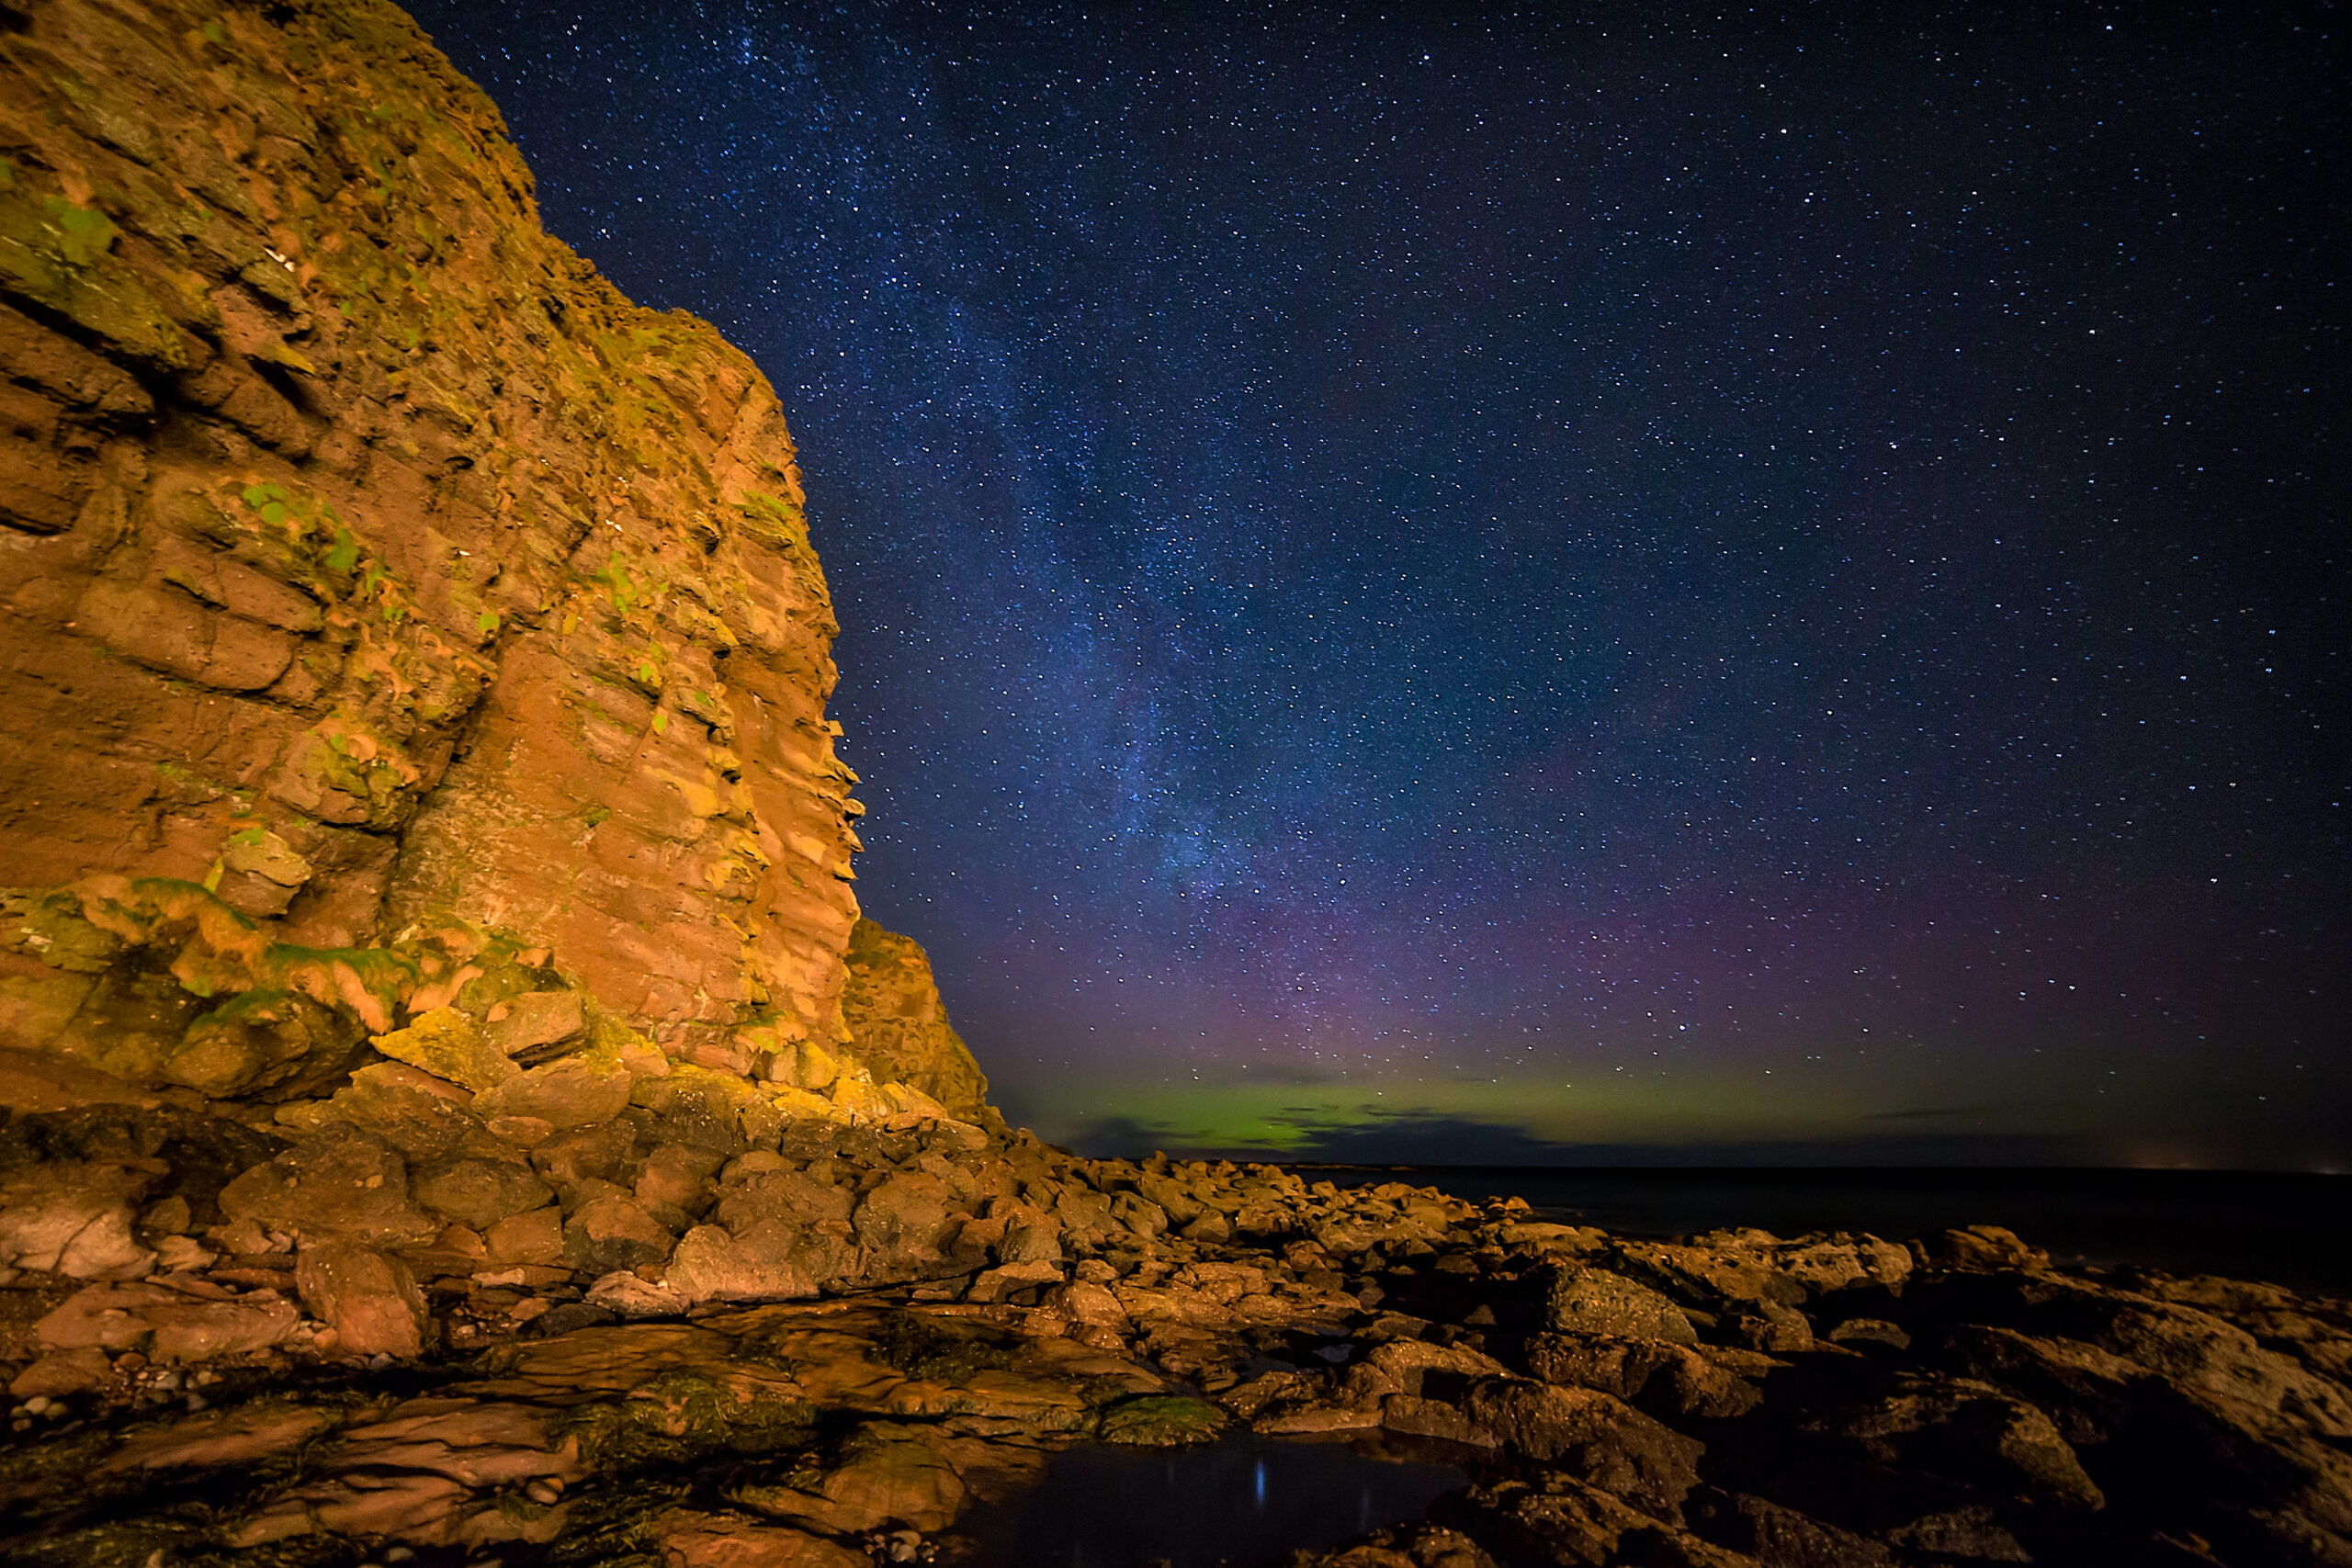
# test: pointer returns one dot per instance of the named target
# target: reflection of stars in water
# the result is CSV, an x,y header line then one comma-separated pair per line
x,y
1373,552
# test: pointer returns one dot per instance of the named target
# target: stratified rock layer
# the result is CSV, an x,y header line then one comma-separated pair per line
x,y
390,613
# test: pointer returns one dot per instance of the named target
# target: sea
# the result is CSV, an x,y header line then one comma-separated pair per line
x,y
2286,1228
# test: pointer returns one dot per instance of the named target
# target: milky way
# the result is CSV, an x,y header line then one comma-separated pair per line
x,y
1496,587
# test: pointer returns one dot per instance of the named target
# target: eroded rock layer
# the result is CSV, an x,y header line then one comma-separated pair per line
x,y
392,615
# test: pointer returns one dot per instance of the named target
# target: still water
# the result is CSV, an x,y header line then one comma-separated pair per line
x,y
2289,1228
1243,1499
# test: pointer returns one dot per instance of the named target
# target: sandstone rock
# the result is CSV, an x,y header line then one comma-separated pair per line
x,y
1969,1429
203,1331
264,1040
367,1297
572,1092
1579,1300
481,1193
1030,1236
764,1264
691,1539
1545,1236
614,1233
997,1284
63,1372
41,1081
1607,1442
899,1027
1738,1267
1770,1327
1653,1373
72,1219
1405,1366
1083,1301
890,1474
522,1132
336,573
757,1195
535,1237
427,1119
1777,1534
1145,1218
530,1023
1560,1519
344,1185
904,1223
679,1178
165,1324
623,1292
599,1153
110,1318
447,1045
1974,1532
1984,1247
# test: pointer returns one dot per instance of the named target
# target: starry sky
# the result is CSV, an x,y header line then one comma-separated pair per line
x,y
1609,584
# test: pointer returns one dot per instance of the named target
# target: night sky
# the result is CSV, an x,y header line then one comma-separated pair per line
x,y
1471,585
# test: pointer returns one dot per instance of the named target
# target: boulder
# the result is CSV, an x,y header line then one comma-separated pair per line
x,y
535,1237
343,1185
1579,1300
429,1120
63,1372
612,1233
1656,1373
73,1218
624,1292
481,1193
446,1043
367,1297
1981,1248
577,1091
764,1264
904,1224
997,1284
1030,1236
1597,1436
1966,1430
676,1176
524,1026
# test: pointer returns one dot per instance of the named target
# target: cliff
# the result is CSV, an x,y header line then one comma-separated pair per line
x,y
396,618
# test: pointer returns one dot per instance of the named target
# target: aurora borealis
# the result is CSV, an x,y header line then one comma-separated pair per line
x,y
1485,586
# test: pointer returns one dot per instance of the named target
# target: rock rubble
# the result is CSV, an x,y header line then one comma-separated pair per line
x,y
826,1341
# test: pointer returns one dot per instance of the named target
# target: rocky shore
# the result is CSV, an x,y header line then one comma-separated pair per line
x,y
725,1341
718,1340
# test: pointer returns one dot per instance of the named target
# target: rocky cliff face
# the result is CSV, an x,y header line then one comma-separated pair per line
x,y
396,618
